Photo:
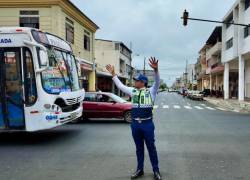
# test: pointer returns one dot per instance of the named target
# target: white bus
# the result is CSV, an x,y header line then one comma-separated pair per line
x,y
39,87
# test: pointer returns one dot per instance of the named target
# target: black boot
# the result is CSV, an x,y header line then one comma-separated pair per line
x,y
137,174
157,175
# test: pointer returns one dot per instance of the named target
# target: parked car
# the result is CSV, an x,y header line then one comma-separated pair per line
x,y
206,92
171,90
195,95
105,105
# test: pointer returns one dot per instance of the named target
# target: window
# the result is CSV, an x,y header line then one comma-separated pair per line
x,y
104,98
229,20
61,75
246,32
247,4
117,46
30,82
69,25
90,97
229,43
86,42
29,19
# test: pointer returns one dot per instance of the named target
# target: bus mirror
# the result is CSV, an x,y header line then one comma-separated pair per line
x,y
43,58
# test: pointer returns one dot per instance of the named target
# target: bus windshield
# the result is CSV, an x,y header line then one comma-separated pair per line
x,y
61,76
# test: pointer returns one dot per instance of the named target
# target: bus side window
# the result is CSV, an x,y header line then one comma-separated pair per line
x,y
30,81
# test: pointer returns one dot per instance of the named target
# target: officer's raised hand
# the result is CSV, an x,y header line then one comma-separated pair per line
x,y
153,63
111,69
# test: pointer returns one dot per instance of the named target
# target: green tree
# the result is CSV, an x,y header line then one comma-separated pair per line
x,y
163,86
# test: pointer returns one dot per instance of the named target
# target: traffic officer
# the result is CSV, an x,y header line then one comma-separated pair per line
x,y
142,116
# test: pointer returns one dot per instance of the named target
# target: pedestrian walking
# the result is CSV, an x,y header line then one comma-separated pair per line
x,y
142,125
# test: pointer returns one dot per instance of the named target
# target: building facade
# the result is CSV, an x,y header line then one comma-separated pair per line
x,y
215,68
191,77
201,68
236,52
59,17
115,53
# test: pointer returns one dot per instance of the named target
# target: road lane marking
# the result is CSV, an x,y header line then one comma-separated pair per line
x,y
222,109
188,107
210,108
203,104
166,107
177,107
198,107
155,107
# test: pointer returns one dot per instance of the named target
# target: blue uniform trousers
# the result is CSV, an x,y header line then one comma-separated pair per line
x,y
144,132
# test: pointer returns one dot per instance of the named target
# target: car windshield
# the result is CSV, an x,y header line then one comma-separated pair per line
x,y
117,99
61,76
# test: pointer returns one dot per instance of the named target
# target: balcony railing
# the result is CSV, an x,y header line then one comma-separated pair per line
x,y
214,50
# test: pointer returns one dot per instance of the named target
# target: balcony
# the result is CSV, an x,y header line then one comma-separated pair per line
x,y
214,50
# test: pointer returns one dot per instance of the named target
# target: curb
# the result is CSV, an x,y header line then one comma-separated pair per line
x,y
225,105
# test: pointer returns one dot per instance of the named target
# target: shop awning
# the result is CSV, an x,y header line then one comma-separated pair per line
x,y
218,69
102,73
84,64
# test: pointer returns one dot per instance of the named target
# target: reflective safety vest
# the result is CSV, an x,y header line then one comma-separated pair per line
x,y
142,104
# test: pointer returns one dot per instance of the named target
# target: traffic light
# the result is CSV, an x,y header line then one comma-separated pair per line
x,y
185,17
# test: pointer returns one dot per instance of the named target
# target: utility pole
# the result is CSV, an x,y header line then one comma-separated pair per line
x,y
186,73
192,79
144,66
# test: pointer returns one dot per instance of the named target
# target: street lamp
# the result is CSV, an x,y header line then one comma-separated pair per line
x,y
186,17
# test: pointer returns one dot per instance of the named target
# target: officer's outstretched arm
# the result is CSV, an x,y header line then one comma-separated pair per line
x,y
153,62
118,83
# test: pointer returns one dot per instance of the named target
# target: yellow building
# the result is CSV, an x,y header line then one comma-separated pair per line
x,y
60,17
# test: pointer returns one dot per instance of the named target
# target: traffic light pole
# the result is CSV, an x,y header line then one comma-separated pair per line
x,y
221,22
186,17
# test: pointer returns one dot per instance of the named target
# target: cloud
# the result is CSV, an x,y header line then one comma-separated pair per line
x,y
155,29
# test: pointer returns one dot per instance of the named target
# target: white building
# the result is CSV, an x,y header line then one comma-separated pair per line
x,y
236,51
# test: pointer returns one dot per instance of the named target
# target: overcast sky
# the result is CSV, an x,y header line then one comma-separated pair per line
x,y
154,28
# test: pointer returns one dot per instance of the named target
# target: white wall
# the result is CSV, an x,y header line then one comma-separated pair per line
x,y
227,34
245,42
247,78
105,54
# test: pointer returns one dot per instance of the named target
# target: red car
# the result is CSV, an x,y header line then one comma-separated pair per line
x,y
106,105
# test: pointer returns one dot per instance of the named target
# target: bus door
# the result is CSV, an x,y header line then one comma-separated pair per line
x,y
11,89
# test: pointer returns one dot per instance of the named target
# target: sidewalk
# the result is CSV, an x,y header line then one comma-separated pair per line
x,y
230,105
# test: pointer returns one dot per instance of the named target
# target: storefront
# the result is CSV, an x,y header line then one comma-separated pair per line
x,y
104,81
85,72
217,81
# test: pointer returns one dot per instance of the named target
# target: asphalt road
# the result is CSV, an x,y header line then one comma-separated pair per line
x,y
195,141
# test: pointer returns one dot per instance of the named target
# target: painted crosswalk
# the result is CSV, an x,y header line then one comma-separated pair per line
x,y
177,107
187,107
210,108
198,107
165,107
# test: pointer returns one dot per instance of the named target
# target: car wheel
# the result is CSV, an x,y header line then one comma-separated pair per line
x,y
84,118
127,117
